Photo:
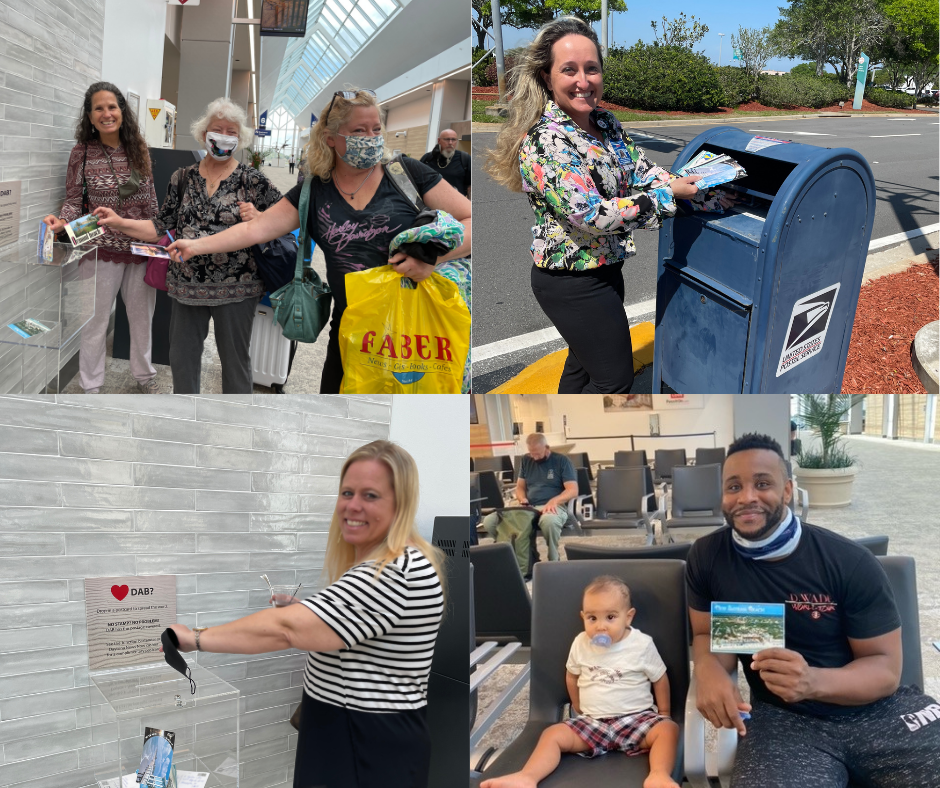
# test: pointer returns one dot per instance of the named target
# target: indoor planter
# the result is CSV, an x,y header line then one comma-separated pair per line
x,y
826,474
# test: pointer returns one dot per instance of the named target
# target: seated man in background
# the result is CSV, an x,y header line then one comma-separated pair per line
x,y
547,481
827,708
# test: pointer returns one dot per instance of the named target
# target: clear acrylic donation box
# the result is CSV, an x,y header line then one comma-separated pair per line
x,y
43,307
205,724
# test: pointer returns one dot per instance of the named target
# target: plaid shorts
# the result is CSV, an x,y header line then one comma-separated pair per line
x,y
609,734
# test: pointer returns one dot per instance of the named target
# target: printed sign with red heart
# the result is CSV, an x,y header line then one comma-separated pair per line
x,y
119,592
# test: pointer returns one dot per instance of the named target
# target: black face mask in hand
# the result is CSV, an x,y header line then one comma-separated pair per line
x,y
173,657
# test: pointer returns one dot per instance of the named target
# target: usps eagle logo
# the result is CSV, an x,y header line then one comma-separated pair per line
x,y
806,332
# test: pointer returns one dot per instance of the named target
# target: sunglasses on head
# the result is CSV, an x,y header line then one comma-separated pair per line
x,y
349,95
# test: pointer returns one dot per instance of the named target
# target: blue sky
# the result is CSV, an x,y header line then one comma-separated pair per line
x,y
721,16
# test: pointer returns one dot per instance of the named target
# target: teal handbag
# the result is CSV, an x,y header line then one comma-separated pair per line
x,y
302,306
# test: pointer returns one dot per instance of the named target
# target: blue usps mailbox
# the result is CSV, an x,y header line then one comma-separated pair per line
x,y
762,298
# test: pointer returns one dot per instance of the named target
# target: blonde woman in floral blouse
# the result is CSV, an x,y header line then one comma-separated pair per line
x,y
220,192
589,187
111,160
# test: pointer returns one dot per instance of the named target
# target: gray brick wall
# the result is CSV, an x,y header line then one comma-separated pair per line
x,y
213,490
50,52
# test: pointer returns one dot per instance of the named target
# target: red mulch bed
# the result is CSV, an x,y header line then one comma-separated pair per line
x,y
751,106
891,310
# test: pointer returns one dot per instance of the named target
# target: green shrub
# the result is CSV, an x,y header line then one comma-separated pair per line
x,y
661,78
889,98
788,91
735,85
479,71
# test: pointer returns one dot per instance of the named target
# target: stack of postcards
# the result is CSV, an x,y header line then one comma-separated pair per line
x,y
715,169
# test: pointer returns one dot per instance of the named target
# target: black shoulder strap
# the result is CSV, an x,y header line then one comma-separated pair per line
x,y
400,177
181,183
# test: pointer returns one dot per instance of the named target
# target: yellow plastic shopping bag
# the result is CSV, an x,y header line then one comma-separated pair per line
x,y
400,338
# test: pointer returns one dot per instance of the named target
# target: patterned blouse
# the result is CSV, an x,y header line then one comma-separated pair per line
x,y
113,246
223,277
587,195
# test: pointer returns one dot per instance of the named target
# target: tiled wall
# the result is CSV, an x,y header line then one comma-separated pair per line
x,y
213,490
50,52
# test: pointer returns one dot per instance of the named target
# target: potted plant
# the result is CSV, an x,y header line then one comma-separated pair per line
x,y
256,157
826,472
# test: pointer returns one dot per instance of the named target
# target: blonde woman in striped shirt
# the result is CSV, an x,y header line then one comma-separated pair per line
x,y
370,634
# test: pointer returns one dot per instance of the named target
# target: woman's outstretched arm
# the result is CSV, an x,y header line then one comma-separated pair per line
x,y
273,223
274,629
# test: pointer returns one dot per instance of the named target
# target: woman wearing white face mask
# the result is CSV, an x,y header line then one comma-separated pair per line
x,y
220,192
355,210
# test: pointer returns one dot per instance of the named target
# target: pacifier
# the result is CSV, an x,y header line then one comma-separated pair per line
x,y
601,640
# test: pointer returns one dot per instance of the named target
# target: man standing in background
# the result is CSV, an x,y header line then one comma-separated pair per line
x,y
453,164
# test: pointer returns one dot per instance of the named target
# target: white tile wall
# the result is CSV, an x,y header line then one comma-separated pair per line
x,y
215,491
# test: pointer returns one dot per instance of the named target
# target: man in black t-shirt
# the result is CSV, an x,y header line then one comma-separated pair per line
x,y
546,481
453,164
827,707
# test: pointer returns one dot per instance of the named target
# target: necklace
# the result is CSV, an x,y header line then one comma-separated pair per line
x,y
353,194
214,184
446,161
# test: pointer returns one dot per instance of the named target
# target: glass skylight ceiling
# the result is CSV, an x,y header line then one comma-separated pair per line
x,y
337,29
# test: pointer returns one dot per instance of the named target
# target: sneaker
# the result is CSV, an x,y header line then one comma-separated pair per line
x,y
148,386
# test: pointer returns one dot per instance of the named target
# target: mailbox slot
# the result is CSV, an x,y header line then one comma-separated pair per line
x,y
764,176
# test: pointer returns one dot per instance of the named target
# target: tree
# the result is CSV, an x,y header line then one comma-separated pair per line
x,y
535,13
805,30
483,20
678,33
755,48
862,27
911,39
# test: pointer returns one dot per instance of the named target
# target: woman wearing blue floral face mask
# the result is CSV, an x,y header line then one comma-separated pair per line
x,y
355,210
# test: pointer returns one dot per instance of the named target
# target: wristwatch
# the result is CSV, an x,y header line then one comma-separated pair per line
x,y
199,631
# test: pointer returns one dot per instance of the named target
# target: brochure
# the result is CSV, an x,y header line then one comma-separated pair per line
x,y
156,761
46,239
29,328
714,168
758,142
746,627
149,250
83,229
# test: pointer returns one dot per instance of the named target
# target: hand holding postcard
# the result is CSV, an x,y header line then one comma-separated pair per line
x,y
714,168
746,627
46,239
83,229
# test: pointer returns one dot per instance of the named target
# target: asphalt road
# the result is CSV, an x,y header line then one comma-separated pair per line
x,y
903,155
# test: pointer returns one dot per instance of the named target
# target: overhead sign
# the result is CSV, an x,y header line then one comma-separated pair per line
x,y
806,332
125,617
9,212
313,119
263,120
262,133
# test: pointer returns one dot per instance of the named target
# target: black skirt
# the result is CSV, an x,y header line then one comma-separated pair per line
x,y
341,748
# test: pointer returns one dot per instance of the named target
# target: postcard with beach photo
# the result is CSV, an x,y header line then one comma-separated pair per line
x,y
746,627
83,229
149,250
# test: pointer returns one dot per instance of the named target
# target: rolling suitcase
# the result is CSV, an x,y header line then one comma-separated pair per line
x,y
270,350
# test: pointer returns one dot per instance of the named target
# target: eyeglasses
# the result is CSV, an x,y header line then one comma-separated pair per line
x,y
349,95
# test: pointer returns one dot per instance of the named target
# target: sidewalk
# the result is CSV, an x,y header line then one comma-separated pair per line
x,y
305,372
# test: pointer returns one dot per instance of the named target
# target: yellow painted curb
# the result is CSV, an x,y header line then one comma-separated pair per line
x,y
542,376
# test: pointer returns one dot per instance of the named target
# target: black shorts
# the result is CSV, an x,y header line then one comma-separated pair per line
x,y
341,748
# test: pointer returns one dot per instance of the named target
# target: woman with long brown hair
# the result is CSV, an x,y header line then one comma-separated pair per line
x,y
589,187
110,162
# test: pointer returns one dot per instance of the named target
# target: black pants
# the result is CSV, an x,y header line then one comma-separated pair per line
x,y
341,748
332,374
587,309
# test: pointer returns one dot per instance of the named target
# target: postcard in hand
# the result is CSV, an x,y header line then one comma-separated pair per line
x,y
746,627
46,239
83,229
149,250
